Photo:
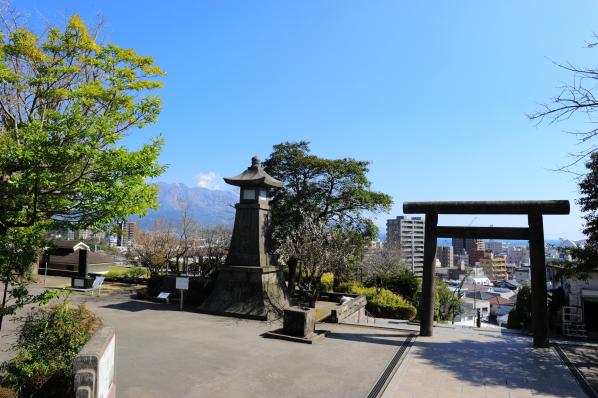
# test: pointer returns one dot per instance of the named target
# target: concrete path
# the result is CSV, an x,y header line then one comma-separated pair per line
x,y
462,362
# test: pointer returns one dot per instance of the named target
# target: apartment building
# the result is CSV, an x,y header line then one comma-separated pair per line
x,y
407,233
495,266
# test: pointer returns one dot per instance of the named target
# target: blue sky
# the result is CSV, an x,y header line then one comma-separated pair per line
x,y
434,94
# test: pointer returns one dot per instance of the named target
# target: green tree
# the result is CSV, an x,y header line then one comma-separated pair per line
x,y
521,315
335,190
66,103
448,304
586,257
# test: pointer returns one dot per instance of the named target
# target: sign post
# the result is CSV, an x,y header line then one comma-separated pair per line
x,y
182,284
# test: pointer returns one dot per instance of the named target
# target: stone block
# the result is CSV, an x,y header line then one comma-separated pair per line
x,y
94,366
299,321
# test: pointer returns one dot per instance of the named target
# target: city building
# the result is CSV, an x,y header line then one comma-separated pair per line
x,y
126,233
518,256
495,266
522,275
132,228
461,261
407,233
460,244
475,256
445,255
495,246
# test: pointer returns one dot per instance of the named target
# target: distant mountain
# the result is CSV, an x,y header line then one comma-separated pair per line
x,y
208,207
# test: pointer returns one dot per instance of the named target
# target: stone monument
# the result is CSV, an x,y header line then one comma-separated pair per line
x,y
249,285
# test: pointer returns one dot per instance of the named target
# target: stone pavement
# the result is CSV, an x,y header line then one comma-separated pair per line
x,y
584,357
164,352
464,362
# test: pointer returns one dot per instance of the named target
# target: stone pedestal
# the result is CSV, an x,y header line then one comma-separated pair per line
x,y
299,321
248,292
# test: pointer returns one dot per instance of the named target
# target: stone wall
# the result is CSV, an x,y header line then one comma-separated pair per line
x,y
352,311
94,366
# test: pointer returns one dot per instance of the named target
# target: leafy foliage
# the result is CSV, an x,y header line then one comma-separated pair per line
x,y
448,304
521,314
48,342
66,103
382,302
18,250
336,191
586,257
327,281
401,281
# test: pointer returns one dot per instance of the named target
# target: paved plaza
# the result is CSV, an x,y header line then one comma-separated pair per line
x,y
470,363
163,352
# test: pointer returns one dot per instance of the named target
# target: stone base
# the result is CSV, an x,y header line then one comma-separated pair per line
x,y
299,321
315,337
248,292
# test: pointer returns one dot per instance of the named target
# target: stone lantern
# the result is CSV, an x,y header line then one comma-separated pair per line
x,y
249,285
248,244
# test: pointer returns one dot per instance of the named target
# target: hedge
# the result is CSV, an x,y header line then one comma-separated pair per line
x,y
382,302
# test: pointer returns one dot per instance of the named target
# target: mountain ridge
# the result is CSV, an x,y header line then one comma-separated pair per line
x,y
206,206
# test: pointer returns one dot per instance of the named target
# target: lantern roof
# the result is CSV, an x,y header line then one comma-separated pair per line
x,y
254,176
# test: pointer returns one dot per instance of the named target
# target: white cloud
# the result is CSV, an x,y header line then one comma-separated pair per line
x,y
211,180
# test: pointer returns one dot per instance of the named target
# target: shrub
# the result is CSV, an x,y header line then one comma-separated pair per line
x,y
402,282
327,282
48,342
386,304
382,302
112,275
346,287
136,273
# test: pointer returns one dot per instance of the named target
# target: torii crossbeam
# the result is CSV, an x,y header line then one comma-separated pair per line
x,y
534,233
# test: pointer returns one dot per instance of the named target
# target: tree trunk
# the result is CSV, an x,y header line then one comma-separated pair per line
x,y
292,274
3,232
313,299
6,282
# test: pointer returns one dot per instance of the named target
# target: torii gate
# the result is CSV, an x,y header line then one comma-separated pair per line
x,y
534,209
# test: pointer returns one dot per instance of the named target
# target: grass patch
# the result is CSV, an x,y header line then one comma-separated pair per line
x,y
118,269
321,314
